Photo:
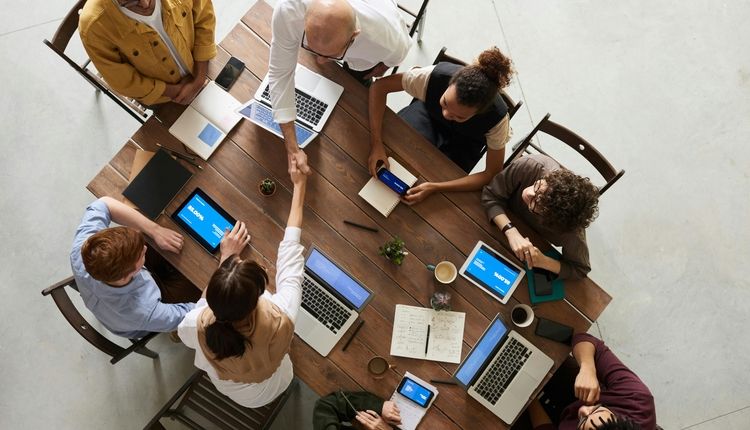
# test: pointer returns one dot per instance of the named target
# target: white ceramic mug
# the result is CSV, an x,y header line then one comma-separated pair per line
x,y
522,315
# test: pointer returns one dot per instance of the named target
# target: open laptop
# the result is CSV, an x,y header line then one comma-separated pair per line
x,y
315,98
503,370
332,300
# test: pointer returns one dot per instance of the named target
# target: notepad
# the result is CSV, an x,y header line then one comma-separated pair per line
x,y
558,286
207,121
412,414
410,334
380,196
156,184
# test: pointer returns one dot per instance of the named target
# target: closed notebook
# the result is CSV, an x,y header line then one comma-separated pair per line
x,y
157,184
207,121
380,196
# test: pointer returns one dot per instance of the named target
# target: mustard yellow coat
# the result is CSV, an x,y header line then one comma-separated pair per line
x,y
131,56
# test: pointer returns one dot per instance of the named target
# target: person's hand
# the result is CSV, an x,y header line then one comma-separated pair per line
x,y
521,246
418,193
586,387
166,239
377,71
372,421
189,91
234,241
300,158
391,413
296,175
377,156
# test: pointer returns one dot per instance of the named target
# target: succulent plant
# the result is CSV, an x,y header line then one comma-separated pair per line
x,y
267,186
394,250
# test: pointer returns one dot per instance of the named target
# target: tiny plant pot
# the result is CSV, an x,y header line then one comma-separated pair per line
x,y
267,187
394,250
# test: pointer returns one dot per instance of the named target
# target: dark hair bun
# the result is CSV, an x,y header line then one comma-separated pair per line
x,y
496,66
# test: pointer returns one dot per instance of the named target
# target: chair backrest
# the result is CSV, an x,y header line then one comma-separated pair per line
x,y
513,107
92,336
59,44
201,401
574,141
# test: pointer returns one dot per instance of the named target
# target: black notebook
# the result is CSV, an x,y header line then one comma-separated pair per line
x,y
157,184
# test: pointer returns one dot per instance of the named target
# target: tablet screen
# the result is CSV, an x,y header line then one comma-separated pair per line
x,y
491,271
203,219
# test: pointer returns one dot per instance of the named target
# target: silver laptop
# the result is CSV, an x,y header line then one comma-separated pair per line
x,y
315,98
332,300
503,370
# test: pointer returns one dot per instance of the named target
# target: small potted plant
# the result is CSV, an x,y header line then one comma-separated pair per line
x,y
267,187
394,251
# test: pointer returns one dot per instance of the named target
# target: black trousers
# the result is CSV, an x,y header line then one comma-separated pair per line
x,y
174,287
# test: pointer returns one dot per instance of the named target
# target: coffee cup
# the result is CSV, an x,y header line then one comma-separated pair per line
x,y
377,366
522,315
445,272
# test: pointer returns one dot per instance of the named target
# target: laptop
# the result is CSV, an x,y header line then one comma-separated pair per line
x,y
332,299
315,98
503,370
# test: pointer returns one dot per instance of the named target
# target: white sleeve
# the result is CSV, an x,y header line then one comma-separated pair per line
x,y
290,266
287,25
188,328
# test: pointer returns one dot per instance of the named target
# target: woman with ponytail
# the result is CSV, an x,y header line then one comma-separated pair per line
x,y
241,333
458,109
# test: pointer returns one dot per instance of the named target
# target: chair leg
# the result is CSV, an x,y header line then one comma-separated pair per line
x,y
147,352
420,27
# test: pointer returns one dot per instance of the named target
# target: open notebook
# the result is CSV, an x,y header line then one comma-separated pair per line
x,y
380,196
207,121
427,334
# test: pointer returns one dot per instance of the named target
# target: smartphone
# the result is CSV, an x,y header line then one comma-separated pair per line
x,y
415,392
230,73
543,282
387,177
554,330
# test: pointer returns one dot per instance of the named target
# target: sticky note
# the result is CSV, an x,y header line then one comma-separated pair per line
x,y
209,135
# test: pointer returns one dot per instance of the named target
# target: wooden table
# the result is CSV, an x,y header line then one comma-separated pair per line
x,y
445,226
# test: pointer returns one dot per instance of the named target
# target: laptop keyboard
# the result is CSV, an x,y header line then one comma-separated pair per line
x,y
505,367
309,108
324,308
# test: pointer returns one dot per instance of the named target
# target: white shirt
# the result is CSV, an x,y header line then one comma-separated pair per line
x,y
384,38
290,265
154,21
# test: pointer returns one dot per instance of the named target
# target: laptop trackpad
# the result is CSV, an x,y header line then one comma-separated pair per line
x,y
515,397
306,81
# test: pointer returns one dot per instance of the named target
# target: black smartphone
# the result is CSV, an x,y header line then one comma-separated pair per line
x,y
554,330
415,392
387,177
543,282
230,73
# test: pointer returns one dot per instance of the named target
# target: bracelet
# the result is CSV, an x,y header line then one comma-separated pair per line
x,y
507,227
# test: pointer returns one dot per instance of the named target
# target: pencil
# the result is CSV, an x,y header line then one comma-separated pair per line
x,y
372,229
356,330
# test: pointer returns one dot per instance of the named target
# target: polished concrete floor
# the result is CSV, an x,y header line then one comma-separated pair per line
x,y
661,88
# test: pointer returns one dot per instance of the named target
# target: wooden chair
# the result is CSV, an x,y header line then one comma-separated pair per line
x,y
200,398
79,323
59,43
574,141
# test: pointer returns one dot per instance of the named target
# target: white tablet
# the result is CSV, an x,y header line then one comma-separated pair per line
x,y
490,271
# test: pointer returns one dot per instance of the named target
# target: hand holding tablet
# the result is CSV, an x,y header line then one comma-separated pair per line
x,y
204,220
234,241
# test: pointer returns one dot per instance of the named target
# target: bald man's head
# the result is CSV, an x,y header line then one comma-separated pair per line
x,y
329,27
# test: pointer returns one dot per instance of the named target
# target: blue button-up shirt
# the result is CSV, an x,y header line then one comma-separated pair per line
x,y
132,310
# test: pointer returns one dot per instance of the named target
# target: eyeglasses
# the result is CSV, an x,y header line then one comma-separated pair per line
x,y
537,196
307,48
585,418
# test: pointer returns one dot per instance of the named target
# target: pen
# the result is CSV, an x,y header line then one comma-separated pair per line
x,y
356,330
427,341
442,381
372,229
347,401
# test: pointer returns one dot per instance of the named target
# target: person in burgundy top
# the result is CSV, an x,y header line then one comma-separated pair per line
x,y
609,396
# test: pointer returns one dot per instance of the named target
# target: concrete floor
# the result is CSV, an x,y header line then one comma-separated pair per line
x,y
661,88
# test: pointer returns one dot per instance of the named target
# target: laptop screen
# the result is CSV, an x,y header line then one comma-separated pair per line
x,y
474,362
336,278
490,270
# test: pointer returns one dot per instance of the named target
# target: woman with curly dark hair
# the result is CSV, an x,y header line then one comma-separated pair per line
x,y
458,109
555,202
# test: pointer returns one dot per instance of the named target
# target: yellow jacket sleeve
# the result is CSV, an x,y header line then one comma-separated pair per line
x,y
204,23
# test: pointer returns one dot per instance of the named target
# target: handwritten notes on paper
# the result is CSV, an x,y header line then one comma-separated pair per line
x,y
446,334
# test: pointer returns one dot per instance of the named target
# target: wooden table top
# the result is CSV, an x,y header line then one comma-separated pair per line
x,y
444,226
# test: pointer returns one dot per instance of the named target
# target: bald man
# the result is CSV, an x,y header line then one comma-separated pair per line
x,y
369,35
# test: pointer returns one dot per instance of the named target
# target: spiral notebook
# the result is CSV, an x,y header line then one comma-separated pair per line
x,y
380,196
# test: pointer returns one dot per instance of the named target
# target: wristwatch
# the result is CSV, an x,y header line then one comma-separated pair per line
x,y
507,227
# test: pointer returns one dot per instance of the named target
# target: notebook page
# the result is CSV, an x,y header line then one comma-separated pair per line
x,y
379,195
218,106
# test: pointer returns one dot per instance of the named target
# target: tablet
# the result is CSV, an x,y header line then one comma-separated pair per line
x,y
490,271
203,220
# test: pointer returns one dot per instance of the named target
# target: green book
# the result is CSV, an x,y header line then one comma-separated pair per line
x,y
558,287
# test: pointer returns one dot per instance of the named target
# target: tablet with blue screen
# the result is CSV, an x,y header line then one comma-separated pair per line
x,y
492,272
203,219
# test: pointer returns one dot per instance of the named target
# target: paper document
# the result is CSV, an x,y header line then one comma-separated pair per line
x,y
410,328
412,414
380,196
207,121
